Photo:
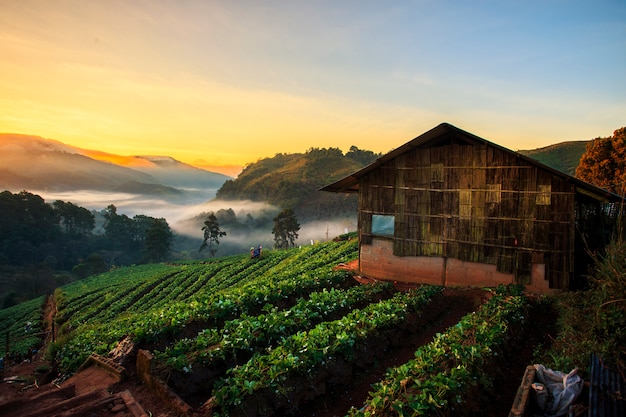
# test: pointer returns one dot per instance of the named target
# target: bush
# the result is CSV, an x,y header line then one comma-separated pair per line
x,y
593,321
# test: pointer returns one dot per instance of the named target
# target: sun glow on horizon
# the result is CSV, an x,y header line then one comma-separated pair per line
x,y
225,84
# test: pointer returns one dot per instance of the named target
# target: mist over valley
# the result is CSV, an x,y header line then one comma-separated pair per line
x,y
162,187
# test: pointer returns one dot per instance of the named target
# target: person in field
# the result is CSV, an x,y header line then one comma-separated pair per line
x,y
256,253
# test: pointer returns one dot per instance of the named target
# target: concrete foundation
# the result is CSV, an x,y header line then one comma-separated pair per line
x,y
378,261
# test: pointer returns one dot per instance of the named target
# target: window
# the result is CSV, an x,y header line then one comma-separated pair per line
x,y
382,225
543,195
494,193
465,203
436,173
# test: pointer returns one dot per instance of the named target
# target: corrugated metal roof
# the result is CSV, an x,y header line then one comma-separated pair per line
x,y
606,391
446,131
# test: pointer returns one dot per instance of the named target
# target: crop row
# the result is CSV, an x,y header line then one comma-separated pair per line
x,y
22,325
272,375
85,299
277,286
147,287
443,372
252,333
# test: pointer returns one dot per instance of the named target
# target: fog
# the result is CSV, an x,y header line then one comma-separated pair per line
x,y
186,217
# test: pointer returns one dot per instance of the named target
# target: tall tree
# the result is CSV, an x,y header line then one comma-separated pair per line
x,y
77,221
120,229
604,162
285,229
212,234
158,240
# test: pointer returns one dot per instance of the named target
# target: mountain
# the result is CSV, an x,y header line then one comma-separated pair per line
x,y
35,163
563,156
294,180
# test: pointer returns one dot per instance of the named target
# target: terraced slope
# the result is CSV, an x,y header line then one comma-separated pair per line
x,y
284,335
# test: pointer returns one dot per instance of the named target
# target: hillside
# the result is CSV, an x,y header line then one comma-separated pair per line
x,y
293,181
564,156
34,163
288,334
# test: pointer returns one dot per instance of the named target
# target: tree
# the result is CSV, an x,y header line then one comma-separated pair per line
x,y
361,156
158,240
212,234
285,229
77,221
93,265
604,162
120,229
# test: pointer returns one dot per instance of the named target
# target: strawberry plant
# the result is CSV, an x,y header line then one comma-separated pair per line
x,y
442,372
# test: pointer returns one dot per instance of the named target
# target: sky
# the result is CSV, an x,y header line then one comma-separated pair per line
x,y
225,83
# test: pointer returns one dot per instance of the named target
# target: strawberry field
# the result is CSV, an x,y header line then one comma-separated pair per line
x,y
288,334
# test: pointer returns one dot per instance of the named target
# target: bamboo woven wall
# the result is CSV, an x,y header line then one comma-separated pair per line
x,y
475,203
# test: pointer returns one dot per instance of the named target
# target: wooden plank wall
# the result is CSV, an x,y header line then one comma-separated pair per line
x,y
475,203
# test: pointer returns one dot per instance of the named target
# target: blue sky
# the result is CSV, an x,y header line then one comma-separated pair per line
x,y
228,82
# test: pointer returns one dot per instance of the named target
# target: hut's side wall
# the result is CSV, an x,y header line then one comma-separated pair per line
x,y
476,204
378,261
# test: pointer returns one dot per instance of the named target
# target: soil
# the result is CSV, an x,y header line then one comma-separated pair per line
x,y
30,383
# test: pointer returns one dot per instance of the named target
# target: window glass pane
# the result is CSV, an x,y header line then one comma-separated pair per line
x,y
543,195
494,193
465,203
382,224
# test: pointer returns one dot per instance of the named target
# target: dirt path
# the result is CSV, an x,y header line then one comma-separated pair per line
x,y
49,314
29,389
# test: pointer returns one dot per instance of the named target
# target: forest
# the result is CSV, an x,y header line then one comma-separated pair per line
x,y
38,239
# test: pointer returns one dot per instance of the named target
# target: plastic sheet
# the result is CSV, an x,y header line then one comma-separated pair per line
x,y
556,391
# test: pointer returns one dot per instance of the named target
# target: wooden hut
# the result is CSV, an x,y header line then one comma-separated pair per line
x,y
451,208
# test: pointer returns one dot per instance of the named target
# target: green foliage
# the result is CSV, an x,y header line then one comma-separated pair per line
x,y
444,371
212,234
14,321
293,180
307,352
158,239
153,301
285,229
564,157
593,321
256,333
77,221
38,239
27,224
140,239
94,264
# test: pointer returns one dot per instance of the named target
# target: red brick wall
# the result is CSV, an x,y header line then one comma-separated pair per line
x,y
378,261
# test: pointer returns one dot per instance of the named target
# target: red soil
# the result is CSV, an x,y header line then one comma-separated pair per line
x,y
26,394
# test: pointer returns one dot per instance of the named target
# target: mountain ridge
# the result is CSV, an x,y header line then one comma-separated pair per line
x,y
36,163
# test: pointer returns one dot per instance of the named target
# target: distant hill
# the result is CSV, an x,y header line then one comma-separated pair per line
x,y
563,156
294,180
34,163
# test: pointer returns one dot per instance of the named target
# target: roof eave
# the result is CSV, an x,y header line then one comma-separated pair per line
x,y
350,184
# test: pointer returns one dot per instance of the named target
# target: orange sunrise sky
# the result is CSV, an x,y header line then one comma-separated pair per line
x,y
215,83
